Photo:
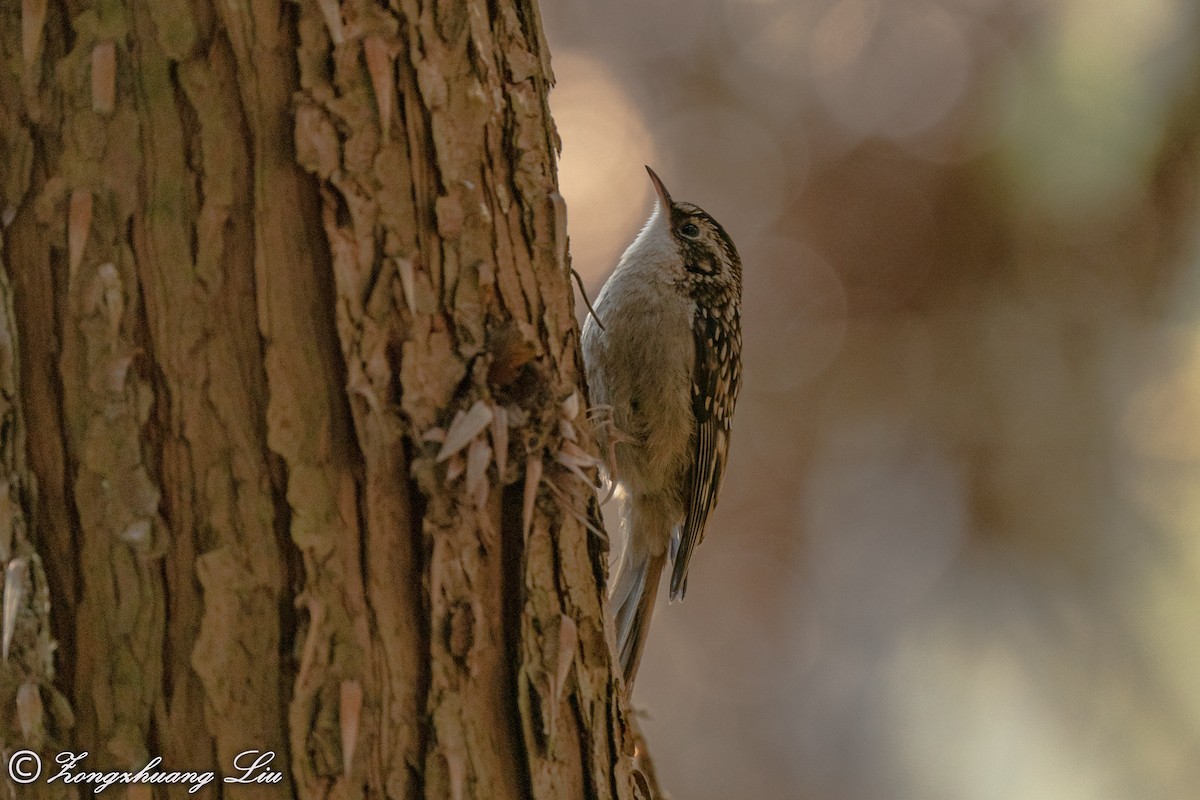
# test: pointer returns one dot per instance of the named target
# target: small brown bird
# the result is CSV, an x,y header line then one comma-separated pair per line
x,y
667,362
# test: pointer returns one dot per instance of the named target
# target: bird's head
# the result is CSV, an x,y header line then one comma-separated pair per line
x,y
687,243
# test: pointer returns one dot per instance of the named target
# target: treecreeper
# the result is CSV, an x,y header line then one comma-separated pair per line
x,y
663,354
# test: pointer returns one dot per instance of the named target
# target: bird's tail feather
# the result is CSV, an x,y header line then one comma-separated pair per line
x,y
635,585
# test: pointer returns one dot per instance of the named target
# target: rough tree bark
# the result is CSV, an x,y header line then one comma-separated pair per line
x,y
293,452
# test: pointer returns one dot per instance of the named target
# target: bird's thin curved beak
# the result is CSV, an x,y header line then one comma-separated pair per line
x,y
664,197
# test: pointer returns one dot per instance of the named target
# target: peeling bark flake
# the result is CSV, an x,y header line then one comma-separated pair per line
x,y
79,223
104,77
383,80
465,427
350,717
33,20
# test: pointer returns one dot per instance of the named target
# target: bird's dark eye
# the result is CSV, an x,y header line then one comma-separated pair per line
x,y
690,230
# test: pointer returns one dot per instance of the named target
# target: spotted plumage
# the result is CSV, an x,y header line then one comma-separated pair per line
x,y
667,362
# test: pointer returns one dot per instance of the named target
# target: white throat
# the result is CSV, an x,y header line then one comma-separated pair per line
x,y
654,250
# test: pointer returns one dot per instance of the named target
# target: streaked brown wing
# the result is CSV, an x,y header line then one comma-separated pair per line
x,y
715,380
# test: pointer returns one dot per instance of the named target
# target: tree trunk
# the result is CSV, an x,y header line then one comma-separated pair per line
x,y
293,451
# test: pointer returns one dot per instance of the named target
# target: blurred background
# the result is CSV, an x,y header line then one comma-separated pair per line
x,y
956,553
